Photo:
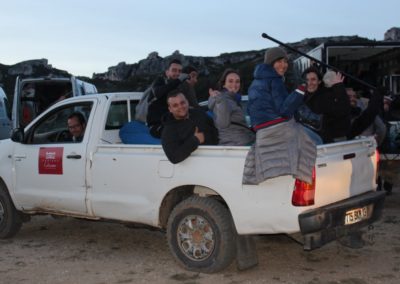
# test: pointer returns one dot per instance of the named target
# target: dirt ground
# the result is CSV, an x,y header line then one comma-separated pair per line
x,y
68,250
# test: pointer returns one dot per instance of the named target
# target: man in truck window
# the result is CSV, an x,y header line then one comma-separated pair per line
x,y
76,126
185,129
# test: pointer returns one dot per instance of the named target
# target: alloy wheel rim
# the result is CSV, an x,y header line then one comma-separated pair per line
x,y
195,237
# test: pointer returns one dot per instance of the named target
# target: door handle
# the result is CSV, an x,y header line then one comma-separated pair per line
x,y
74,157
20,156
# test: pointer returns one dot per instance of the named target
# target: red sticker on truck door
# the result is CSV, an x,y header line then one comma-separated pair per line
x,y
50,160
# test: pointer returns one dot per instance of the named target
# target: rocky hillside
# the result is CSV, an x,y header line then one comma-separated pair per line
x,y
137,76
29,68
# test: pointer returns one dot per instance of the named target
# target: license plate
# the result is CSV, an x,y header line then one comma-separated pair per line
x,y
356,215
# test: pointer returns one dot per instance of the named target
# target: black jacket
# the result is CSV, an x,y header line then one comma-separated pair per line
x,y
178,140
161,87
362,119
333,103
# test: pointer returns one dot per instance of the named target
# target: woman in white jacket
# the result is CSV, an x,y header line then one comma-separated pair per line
x,y
229,117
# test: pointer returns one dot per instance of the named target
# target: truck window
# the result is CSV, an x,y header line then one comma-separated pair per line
x,y
392,82
82,91
2,109
53,128
118,114
38,96
85,88
8,108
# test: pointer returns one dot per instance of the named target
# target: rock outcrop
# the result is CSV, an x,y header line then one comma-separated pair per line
x,y
28,67
392,34
154,64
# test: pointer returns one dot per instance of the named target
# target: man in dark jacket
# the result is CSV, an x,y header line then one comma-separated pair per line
x,y
188,87
363,118
172,79
185,129
331,102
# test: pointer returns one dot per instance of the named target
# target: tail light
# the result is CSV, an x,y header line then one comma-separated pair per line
x,y
304,193
378,158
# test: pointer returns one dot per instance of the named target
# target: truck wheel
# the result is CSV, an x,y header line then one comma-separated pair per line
x,y
201,235
10,221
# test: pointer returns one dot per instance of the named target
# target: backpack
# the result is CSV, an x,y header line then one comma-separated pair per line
x,y
143,105
308,118
136,132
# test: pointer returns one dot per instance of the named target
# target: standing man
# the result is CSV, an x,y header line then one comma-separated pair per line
x,y
187,87
161,87
185,129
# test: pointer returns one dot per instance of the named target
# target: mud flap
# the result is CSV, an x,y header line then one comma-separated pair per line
x,y
246,252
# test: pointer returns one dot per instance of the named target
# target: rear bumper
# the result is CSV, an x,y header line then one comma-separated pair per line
x,y
322,225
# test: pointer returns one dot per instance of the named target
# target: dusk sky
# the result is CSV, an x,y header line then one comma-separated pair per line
x,y
86,37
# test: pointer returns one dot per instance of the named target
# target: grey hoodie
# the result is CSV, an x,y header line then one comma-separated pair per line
x,y
230,121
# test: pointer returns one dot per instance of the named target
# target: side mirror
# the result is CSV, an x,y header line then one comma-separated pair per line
x,y
17,135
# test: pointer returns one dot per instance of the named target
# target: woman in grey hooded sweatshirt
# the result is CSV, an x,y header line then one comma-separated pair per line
x,y
229,118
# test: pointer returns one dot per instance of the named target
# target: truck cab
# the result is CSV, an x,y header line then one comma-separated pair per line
x,y
34,95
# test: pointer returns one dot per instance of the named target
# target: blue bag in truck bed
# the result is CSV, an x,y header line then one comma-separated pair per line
x,y
136,132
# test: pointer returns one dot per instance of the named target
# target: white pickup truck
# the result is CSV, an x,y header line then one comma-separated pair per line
x,y
201,202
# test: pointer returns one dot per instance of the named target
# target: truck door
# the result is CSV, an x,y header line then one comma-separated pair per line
x,y
50,166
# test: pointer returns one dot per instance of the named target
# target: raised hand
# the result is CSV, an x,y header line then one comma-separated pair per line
x,y
338,78
213,93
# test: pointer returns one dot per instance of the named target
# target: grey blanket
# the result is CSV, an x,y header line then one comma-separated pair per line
x,y
282,149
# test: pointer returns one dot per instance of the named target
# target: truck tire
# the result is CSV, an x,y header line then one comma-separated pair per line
x,y
201,235
10,220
